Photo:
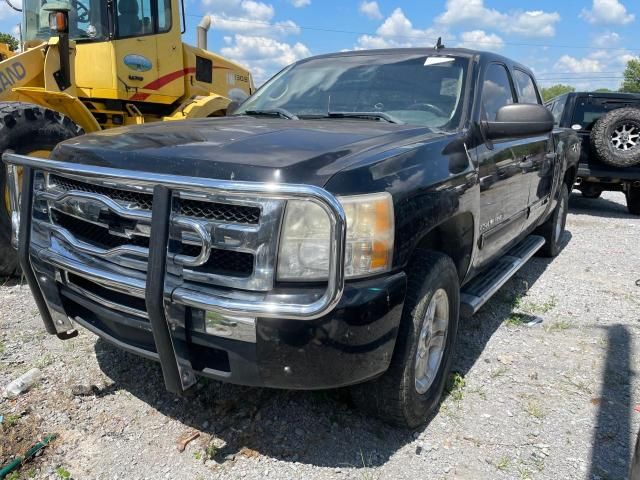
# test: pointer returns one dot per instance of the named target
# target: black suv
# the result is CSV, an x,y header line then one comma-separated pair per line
x,y
609,125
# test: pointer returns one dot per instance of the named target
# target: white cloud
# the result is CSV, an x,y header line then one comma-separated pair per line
x,y
371,10
480,39
606,39
398,31
301,3
607,11
248,16
6,12
264,56
535,23
567,63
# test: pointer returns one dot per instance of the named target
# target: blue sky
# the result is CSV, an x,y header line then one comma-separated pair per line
x,y
583,43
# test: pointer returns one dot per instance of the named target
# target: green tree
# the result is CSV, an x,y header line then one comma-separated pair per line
x,y
603,90
9,40
631,82
555,90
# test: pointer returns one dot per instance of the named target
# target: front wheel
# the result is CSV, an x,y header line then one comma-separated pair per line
x,y
633,200
411,388
29,130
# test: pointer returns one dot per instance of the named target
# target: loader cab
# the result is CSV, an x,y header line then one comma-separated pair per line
x,y
118,44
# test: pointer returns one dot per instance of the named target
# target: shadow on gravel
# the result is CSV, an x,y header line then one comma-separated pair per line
x,y
599,207
475,332
314,428
611,447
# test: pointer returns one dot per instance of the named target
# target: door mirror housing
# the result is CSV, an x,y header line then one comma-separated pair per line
x,y
519,120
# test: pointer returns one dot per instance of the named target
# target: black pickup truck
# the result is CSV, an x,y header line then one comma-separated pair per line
x,y
609,126
328,233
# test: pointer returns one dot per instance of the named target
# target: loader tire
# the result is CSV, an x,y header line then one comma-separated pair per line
x,y
27,129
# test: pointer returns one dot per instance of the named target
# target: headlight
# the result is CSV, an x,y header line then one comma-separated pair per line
x,y
305,238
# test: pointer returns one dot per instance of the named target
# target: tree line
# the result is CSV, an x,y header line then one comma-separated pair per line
x,y
630,83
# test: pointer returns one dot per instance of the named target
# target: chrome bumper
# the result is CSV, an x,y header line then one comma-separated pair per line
x,y
159,286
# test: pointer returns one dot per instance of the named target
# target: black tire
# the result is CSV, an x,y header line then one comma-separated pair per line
x,y
25,128
393,397
553,229
633,200
609,128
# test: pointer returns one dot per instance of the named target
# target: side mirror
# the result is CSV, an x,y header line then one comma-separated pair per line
x,y
519,120
232,107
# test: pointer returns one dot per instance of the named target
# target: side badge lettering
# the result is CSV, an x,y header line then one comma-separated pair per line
x,y
138,63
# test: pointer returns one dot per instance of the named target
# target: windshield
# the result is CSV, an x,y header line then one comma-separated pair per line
x,y
416,90
87,19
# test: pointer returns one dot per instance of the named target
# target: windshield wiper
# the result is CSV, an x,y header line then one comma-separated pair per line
x,y
376,115
273,112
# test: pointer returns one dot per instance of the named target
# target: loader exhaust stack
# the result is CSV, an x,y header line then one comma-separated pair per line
x,y
202,29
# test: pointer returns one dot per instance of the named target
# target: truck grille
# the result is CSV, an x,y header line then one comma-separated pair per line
x,y
190,208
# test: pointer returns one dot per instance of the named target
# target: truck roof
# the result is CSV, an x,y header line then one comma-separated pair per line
x,y
464,52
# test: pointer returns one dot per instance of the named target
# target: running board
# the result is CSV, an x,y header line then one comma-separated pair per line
x,y
477,292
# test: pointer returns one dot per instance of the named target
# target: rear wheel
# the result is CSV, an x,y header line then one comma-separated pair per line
x,y
553,229
29,130
633,200
411,388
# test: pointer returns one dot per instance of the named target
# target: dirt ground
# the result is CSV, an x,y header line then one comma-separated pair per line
x,y
545,388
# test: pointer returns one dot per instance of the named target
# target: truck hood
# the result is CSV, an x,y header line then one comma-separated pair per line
x,y
243,148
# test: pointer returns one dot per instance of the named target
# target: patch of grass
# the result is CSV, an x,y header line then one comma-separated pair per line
x,y
498,372
45,361
13,476
542,308
211,451
503,464
534,409
455,386
31,473
63,473
11,420
558,326
517,320
197,455
524,473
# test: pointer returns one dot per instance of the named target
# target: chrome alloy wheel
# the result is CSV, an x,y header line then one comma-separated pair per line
x,y
432,341
626,137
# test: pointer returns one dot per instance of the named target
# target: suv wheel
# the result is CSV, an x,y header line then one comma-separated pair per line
x,y
616,137
633,200
411,388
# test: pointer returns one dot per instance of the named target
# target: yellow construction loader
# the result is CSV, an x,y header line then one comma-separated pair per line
x,y
88,65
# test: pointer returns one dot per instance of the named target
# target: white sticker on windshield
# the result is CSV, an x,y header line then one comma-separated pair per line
x,y
438,60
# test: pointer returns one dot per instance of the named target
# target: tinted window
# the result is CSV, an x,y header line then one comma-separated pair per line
x,y
557,109
526,87
589,110
496,91
137,17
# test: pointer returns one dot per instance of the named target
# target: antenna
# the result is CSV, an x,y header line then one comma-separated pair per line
x,y
439,44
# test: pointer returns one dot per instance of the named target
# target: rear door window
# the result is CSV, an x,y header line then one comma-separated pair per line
x,y
497,91
527,91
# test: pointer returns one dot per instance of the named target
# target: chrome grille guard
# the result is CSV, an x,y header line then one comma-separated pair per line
x,y
178,373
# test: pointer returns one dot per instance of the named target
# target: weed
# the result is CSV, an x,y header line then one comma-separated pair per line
x,y
524,473
558,326
11,420
1,348
197,455
13,476
45,361
498,372
516,320
502,464
63,473
542,308
538,462
211,451
455,386
31,473
535,410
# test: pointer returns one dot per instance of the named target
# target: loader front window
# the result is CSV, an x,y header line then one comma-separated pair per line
x,y
87,19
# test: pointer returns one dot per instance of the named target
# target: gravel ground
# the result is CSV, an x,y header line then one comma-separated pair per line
x,y
552,399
